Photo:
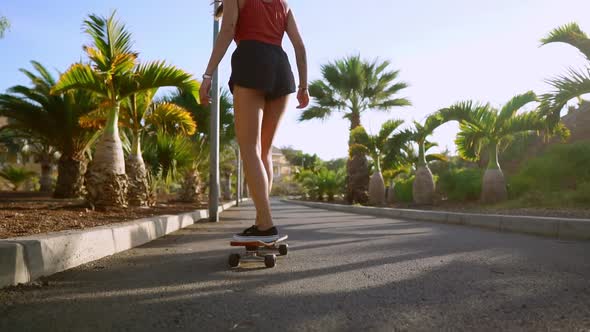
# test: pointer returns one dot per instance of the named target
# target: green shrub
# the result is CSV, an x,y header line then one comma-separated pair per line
x,y
563,167
403,190
460,184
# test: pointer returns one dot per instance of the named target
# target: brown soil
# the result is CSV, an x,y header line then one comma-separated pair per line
x,y
23,214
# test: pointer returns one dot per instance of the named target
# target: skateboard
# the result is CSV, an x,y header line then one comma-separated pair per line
x,y
256,251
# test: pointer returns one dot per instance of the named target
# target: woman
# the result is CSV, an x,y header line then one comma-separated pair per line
x,y
261,82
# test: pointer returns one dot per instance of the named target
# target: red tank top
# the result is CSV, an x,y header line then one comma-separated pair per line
x,y
262,21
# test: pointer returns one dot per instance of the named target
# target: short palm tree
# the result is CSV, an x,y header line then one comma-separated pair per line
x,y
114,75
485,129
353,86
322,182
375,146
16,176
424,187
52,121
202,114
141,116
576,82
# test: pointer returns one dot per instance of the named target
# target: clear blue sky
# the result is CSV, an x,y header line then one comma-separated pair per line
x,y
447,50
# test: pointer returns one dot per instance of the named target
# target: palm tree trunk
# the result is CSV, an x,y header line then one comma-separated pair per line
x,y
106,181
357,169
227,195
377,185
46,181
139,190
423,187
391,193
190,190
494,184
70,177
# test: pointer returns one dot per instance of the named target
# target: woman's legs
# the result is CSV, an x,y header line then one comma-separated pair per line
x,y
249,105
273,113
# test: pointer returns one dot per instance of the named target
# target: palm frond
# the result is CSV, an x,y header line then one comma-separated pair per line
x,y
527,122
171,119
570,34
470,141
155,75
514,105
110,37
387,128
315,112
83,77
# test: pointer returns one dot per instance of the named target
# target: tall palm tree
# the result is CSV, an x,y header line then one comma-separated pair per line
x,y
375,146
114,74
575,83
52,120
353,86
486,129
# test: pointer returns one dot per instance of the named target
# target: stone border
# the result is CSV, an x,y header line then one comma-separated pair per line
x,y
25,259
562,228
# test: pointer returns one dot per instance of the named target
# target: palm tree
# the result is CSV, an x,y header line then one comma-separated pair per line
x,y
141,116
16,176
575,83
424,187
375,146
114,75
485,129
202,114
353,86
53,121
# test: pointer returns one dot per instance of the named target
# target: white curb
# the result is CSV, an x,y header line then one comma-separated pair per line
x,y
563,228
25,259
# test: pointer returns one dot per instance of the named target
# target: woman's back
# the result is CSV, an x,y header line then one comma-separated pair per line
x,y
261,20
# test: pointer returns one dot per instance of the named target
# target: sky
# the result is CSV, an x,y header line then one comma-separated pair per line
x,y
447,51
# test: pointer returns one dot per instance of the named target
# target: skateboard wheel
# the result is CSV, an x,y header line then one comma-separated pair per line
x,y
234,260
283,249
270,260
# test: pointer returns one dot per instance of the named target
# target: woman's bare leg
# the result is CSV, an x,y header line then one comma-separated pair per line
x,y
248,106
273,113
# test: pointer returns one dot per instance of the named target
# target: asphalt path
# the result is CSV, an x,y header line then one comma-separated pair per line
x,y
344,272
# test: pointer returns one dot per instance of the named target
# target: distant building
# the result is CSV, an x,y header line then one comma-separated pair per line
x,y
281,166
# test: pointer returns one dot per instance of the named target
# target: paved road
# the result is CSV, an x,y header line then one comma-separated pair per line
x,y
345,272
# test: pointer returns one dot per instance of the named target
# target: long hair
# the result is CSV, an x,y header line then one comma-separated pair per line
x,y
219,12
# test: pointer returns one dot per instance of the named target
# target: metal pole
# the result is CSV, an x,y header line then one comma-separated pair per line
x,y
238,178
214,138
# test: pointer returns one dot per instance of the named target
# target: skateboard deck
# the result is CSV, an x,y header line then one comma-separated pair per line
x,y
258,244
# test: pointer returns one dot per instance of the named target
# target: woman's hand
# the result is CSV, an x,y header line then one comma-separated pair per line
x,y
302,98
204,92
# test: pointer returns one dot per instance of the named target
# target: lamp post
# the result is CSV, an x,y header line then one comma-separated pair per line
x,y
214,137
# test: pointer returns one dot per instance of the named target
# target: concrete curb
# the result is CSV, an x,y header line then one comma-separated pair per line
x,y
25,259
562,228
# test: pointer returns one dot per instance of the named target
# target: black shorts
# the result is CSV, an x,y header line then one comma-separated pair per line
x,y
262,66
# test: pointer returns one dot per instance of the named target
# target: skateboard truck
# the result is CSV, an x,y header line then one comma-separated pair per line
x,y
258,251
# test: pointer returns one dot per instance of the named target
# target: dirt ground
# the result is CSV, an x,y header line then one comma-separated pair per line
x,y
23,214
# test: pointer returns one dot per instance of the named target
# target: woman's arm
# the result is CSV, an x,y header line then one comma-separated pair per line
x,y
301,58
224,39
